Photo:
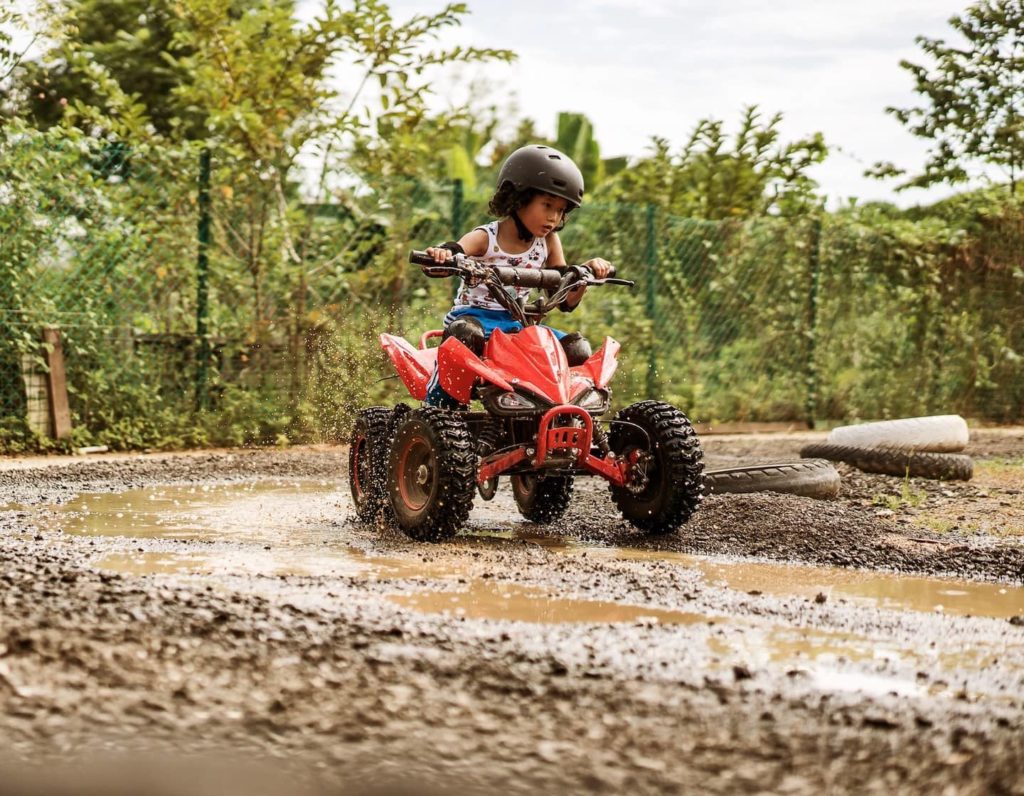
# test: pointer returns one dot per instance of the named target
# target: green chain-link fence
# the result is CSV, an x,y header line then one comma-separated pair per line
x,y
210,303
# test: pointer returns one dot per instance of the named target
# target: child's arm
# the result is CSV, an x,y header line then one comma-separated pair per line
x,y
473,243
556,259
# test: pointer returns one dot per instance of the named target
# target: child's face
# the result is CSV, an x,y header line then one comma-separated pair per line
x,y
543,214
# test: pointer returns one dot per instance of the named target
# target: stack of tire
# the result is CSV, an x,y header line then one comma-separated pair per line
x,y
916,447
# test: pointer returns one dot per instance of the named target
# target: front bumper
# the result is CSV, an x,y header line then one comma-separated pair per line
x,y
559,446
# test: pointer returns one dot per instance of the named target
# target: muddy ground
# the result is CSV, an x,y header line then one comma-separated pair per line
x,y
216,622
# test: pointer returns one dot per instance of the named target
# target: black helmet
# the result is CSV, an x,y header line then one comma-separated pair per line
x,y
546,169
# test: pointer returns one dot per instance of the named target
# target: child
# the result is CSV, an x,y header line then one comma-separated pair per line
x,y
537,187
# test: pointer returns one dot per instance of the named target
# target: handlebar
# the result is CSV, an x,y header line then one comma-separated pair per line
x,y
421,258
544,278
558,283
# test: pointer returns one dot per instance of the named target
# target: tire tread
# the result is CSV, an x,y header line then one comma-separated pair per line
x,y
896,461
457,466
685,458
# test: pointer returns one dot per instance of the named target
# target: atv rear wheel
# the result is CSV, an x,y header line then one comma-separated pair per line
x,y
668,477
431,474
542,500
367,462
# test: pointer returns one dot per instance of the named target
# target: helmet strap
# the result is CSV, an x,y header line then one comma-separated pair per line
x,y
524,233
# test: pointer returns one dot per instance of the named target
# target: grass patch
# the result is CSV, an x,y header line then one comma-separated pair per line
x,y
907,497
997,467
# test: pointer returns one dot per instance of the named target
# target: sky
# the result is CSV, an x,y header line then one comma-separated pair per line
x,y
640,68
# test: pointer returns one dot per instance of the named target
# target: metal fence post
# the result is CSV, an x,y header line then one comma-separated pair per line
x,y
814,264
651,275
202,287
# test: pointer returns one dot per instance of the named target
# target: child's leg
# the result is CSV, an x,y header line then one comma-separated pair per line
x,y
437,395
472,326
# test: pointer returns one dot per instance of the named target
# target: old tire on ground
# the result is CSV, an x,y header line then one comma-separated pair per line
x,y
675,482
896,461
542,500
813,478
367,462
938,434
431,475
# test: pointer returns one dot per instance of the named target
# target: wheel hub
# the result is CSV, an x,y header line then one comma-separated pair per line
x,y
639,471
422,474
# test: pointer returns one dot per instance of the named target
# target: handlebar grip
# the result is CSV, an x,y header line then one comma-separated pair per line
x,y
545,278
609,275
421,258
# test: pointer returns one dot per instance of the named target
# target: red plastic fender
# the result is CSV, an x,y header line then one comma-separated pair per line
x,y
603,363
458,368
414,367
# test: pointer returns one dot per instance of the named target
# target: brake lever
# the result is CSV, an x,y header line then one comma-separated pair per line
x,y
439,271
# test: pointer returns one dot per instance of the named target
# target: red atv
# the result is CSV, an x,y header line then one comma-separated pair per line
x,y
539,424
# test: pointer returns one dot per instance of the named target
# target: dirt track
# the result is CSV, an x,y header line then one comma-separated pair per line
x,y
276,631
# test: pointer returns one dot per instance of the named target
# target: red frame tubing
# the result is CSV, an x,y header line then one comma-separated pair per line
x,y
566,437
430,336
562,438
489,468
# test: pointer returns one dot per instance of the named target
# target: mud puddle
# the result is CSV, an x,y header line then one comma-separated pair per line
x,y
290,520
262,511
289,528
512,602
886,590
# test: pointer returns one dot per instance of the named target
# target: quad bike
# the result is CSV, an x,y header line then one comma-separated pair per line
x,y
539,426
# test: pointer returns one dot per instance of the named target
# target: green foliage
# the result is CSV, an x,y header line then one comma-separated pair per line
x,y
713,178
575,137
971,96
923,309
16,437
741,305
133,41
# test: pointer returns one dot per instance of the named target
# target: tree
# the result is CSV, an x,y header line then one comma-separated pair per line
x,y
134,42
711,179
972,95
11,59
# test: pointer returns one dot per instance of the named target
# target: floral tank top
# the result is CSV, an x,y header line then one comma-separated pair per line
x,y
534,257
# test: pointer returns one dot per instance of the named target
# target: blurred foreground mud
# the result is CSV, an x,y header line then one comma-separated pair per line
x,y
233,631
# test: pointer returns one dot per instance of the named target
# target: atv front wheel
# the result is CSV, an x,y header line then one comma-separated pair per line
x,y
431,474
367,462
667,470
542,500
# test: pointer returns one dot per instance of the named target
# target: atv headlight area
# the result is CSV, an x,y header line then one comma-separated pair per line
x,y
594,400
513,401
501,402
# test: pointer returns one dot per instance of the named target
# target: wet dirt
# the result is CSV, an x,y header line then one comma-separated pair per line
x,y
235,608
242,512
514,603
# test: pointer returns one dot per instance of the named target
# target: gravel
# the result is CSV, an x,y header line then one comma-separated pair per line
x,y
335,688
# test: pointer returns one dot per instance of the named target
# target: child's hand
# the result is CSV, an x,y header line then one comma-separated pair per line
x,y
440,255
599,266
